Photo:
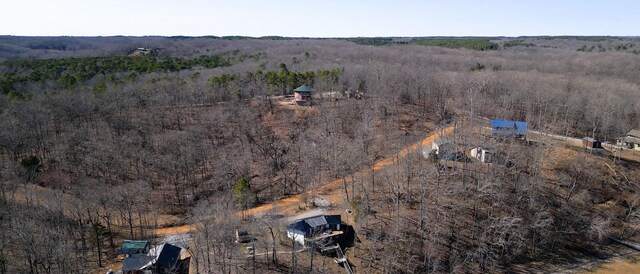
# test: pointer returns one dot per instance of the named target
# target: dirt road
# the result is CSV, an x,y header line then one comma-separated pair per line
x,y
332,191
628,265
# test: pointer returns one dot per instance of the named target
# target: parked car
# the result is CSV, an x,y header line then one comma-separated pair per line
x,y
242,236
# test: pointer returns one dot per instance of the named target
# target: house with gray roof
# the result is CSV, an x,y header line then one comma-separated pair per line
x,y
632,140
304,230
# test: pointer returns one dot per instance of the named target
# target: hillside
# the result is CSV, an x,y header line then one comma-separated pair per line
x,y
201,135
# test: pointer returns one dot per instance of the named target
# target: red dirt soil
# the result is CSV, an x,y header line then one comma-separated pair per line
x,y
331,191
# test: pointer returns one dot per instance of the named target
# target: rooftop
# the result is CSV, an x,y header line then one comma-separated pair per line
x,y
508,127
137,262
316,221
629,139
304,89
169,256
486,149
323,220
134,247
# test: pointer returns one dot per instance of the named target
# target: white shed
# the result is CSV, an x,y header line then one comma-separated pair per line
x,y
483,154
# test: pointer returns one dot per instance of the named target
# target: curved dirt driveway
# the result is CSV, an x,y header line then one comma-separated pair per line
x,y
331,191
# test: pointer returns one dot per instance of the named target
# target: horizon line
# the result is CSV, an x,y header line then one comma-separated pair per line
x,y
312,37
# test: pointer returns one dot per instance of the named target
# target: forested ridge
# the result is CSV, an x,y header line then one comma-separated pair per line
x,y
106,146
68,72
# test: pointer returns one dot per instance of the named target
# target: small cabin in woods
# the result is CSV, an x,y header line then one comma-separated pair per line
x,y
302,95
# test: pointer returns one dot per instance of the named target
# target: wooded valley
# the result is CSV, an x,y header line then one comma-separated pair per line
x,y
104,139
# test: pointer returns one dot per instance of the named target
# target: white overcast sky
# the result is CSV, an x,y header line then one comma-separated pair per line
x,y
320,18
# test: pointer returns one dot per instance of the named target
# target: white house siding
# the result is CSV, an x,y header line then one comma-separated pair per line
x,y
481,154
474,153
296,237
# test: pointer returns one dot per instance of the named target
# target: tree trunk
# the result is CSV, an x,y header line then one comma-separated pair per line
x,y
96,230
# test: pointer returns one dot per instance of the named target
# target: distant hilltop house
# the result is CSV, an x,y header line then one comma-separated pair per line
x,y
141,51
302,95
508,128
632,140
310,229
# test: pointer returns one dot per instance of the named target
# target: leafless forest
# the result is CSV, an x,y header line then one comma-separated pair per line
x,y
86,162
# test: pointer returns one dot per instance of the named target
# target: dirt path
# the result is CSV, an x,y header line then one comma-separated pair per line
x,y
175,230
277,252
618,266
569,140
332,191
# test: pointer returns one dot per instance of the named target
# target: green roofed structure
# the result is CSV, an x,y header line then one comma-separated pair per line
x,y
304,89
134,247
302,95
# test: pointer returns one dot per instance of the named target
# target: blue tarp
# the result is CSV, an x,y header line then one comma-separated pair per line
x,y
508,128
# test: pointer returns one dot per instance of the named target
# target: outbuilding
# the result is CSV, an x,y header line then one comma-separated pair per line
x,y
483,154
130,247
591,143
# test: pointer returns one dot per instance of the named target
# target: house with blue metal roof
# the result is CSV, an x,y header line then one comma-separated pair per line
x,y
508,128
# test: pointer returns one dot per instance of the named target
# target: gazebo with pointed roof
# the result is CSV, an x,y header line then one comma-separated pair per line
x,y
302,95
